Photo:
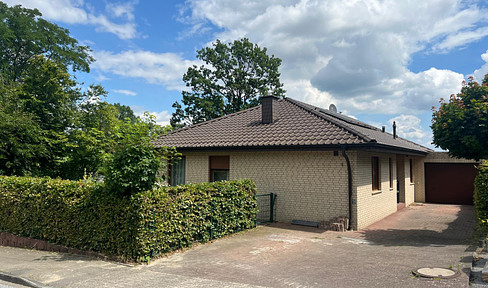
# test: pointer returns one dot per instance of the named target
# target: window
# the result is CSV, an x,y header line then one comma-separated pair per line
x,y
220,175
375,169
390,168
411,170
219,168
177,172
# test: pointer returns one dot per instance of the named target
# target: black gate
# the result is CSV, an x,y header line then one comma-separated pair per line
x,y
266,208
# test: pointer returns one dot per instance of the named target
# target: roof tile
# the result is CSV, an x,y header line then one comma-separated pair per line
x,y
296,124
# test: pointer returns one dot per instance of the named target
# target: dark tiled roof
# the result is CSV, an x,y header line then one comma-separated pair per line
x,y
297,124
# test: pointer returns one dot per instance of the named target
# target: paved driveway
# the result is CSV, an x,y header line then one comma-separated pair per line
x,y
282,256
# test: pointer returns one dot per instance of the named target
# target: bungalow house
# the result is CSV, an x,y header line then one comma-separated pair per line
x,y
320,163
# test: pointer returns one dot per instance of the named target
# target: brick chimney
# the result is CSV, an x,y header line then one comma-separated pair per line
x,y
268,109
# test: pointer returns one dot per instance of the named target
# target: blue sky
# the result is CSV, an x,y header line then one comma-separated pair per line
x,y
378,61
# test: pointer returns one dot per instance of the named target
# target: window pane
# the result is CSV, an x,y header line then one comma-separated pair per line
x,y
178,172
220,175
411,171
390,168
375,173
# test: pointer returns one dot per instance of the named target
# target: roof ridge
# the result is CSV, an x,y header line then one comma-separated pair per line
x,y
213,120
329,118
347,119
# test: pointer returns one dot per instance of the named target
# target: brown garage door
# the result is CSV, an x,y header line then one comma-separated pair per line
x,y
449,183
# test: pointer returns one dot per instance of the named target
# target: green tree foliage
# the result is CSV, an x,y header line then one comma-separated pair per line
x,y
99,127
92,136
24,35
22,144
233,78
49,126
47,96
134,165
49,93
125,112
461,125
38,95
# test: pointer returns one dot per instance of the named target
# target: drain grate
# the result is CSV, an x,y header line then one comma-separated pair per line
x,y
436,272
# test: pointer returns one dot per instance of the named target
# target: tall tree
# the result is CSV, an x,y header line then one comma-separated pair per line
x,y
50,93
22,144
47,95
48,126
92,136
461,125
125,112
24,35
235,75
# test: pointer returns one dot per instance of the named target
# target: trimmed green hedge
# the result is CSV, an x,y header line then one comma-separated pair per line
x,y
81,215
481,196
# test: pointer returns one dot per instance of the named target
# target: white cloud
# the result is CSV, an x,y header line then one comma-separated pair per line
x,y
125,92
162,117
308,92
355,53
480,73
77,12
121,10
409,126
157,68
123,31
462,38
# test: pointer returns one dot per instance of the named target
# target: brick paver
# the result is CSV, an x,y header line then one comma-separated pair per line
x,y
423,223
281,255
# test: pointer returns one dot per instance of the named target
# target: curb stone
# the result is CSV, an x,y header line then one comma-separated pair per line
x,y
20,280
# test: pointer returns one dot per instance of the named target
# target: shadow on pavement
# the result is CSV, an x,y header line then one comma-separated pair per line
x,y
425,232
60,257
288,226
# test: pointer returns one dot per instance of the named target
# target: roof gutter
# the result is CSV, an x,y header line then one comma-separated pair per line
x,y
349,184
391,149
363,146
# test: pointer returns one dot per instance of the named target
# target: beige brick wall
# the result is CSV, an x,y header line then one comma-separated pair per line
x,y
419,173
309,185
373,205
409,185
197,168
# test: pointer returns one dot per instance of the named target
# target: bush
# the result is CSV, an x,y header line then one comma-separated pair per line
x,y
135,162
79,214
175,217
481,197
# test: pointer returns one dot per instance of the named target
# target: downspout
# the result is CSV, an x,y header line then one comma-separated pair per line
x,y
349,184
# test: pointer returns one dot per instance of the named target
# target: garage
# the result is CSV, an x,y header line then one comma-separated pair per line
x,y
449,183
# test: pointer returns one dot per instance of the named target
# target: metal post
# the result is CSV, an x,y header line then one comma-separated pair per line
x,y
211,219
153,231
257,212
271,207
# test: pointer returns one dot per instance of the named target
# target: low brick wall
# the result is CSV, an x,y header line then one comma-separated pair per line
x,y
11,240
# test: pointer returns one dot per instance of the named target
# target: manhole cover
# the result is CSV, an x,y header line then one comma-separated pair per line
x,y
436,272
